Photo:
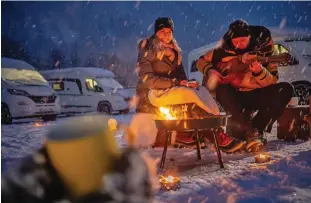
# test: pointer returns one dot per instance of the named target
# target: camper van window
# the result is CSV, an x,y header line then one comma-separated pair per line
x,y
58,86
194,67
280,49
65,82
92,85
109,82
23,76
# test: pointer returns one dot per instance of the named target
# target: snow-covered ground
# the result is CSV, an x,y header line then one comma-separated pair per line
x,y
287,178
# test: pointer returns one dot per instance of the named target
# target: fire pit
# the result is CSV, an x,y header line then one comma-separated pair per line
x,y
192,125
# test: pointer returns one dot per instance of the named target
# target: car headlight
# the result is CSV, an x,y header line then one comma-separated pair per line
x,y
18,92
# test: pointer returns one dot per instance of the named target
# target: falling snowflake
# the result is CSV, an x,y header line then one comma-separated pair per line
x,y
299,19
57,63
137,4
282,24
303,69
149,27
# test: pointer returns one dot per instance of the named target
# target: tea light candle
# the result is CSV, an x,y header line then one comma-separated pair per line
x,y
38,124
169,182
262,158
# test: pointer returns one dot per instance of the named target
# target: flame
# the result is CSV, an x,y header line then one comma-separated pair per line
x,y
262,156
166,113
170,179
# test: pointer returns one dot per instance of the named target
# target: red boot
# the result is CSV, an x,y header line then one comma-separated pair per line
x,y
228,144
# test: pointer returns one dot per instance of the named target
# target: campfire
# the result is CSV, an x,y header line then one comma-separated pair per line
x,y
167,114
169,182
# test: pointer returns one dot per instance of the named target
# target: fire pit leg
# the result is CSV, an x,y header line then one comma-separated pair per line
x,y
167,139
218,151
197,141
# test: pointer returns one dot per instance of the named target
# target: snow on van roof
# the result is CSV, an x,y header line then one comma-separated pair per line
x,y
80,72
204,48
13,63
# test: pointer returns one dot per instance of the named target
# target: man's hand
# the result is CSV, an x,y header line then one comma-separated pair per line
x,y
191,84
255,67
247,58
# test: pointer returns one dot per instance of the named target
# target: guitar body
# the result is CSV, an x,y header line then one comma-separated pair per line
x,y
232,71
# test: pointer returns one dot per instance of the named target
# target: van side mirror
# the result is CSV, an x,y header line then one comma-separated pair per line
x,y
291,60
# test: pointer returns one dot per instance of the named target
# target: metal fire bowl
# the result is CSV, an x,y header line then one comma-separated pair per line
x,y
190,124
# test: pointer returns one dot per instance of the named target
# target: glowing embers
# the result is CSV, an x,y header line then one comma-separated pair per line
x,y
38,124
169,182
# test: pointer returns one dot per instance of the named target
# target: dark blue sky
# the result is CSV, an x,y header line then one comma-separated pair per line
x,y
114,27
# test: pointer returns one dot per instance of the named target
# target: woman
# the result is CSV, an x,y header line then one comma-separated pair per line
x,y
163,81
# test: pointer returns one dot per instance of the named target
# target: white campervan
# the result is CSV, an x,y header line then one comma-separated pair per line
x,y
25,93
298,72
111,84
80,90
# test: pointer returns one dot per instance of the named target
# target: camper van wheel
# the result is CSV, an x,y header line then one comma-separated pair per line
x,y
302,91
5,114
104,107
49,118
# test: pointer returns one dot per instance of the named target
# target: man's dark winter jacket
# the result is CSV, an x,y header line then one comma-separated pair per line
x,y
261,43
157,70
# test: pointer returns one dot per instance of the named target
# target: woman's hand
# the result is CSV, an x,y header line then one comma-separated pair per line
x,y
169,53
190,84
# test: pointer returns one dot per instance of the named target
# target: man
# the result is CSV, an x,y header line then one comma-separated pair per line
x,y
253,87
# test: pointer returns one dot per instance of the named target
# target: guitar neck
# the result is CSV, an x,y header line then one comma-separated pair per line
x,y
281,58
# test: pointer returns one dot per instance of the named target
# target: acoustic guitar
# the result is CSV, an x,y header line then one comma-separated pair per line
x,y
232,69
